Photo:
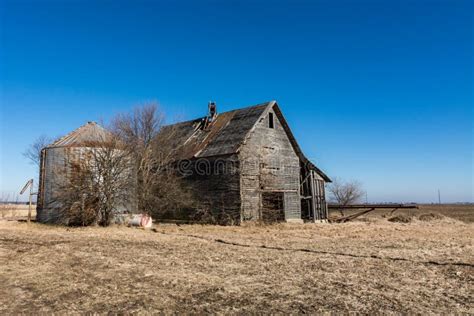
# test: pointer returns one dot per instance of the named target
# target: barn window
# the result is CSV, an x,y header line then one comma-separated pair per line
x,y
271,122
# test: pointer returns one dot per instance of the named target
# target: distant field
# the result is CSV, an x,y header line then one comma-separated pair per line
x,y
370,266
16,210
463,213
460,212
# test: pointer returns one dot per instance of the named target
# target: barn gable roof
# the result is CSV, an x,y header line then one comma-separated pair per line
x,y
225,135
86,134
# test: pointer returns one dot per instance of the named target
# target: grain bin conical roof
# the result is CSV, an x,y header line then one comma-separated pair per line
x,y
86,134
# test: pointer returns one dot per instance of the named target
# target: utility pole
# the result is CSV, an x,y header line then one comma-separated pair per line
x,y
439,196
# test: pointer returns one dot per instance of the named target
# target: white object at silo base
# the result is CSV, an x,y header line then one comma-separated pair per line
x,y
141,220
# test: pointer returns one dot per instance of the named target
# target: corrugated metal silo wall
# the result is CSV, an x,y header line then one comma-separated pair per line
x,y
56,166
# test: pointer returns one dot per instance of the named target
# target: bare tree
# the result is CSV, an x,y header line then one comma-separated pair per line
x,y
345,193
137,130
131,166
158,187
97,184
74,199
33,152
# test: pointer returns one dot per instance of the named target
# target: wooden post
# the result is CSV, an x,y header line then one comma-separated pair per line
x,y
317,185
326,209
313,202
29,205
29,184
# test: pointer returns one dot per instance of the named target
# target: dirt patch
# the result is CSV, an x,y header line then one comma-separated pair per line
x,y
402,218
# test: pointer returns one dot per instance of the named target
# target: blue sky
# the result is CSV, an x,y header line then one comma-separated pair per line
x,y
377,91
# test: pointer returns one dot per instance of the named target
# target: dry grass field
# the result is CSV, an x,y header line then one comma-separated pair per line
x,y
369,266
9,211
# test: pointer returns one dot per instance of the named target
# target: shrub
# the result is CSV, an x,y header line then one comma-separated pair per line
x,y
400,219
430,217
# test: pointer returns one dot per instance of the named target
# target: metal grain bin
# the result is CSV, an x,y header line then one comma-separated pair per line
x,y
55,163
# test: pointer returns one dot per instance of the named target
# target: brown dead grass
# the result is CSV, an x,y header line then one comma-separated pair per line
x,y
374,266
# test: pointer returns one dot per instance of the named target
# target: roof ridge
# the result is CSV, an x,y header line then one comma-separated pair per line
x,y
57,142
226,112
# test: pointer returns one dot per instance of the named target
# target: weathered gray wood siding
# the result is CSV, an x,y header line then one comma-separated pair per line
x,y
215,182
269,163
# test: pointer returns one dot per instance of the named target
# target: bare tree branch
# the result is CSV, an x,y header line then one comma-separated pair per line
x,y
97,184
158,187
345,192
33,152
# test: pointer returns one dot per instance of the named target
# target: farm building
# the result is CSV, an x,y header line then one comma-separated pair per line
x,y
56,163
246,165
242,165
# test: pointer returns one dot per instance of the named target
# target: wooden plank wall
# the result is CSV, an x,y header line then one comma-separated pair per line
x,y
269,164
215,182
313,204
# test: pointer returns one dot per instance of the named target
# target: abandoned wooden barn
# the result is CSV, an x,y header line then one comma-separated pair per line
x,y
246,165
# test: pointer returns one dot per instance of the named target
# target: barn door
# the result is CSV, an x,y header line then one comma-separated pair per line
x,y
320,211
273,207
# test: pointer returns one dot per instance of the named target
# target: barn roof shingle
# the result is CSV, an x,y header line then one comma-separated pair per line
x,y
225,135
222,137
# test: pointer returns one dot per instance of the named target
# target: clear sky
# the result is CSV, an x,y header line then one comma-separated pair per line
x,y
377,91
